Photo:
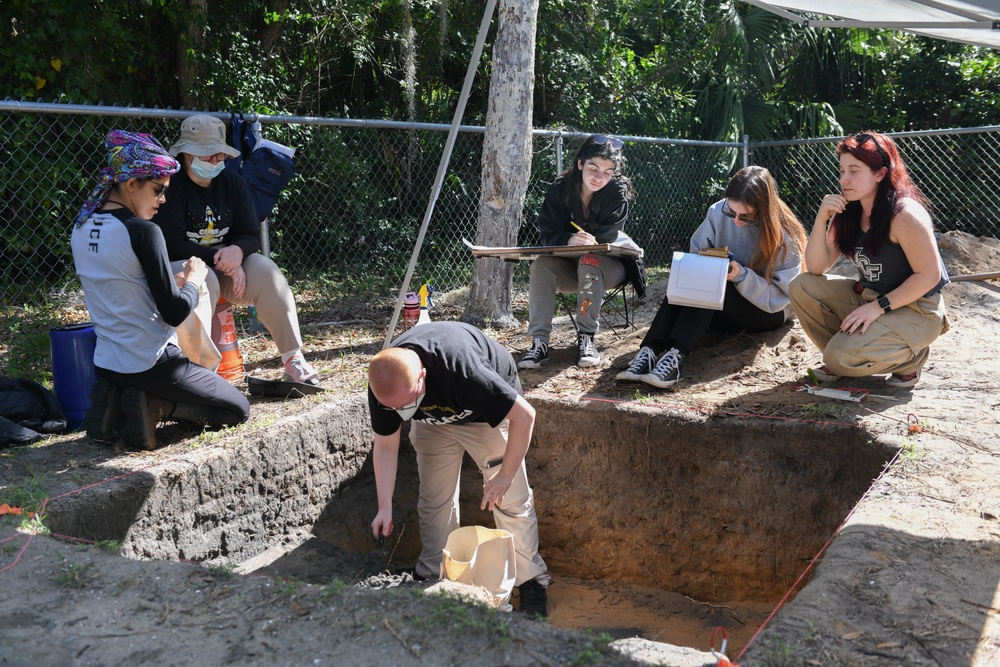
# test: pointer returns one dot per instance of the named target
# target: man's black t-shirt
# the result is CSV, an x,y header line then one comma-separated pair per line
x,y
470,378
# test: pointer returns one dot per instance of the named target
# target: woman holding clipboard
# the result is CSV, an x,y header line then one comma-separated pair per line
x,y
765,242
587,204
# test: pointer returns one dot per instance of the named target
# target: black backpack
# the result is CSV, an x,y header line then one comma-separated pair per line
x,y
267,171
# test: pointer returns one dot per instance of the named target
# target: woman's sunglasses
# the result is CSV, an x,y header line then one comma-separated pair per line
x,y
863,138
742,217
601,139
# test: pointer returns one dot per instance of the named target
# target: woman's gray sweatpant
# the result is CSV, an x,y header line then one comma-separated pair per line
x,y
588,276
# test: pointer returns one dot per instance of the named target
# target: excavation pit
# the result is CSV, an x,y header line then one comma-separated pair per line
x,y
653,523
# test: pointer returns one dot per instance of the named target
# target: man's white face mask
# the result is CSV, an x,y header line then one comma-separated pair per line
x,y
408,411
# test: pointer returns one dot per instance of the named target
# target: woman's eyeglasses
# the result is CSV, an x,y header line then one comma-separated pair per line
x,y
863,138
160,189
601,139
742,217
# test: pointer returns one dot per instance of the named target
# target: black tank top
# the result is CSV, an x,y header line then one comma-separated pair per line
x,y
887,270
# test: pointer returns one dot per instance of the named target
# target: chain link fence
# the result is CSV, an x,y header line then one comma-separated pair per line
x,y
351,214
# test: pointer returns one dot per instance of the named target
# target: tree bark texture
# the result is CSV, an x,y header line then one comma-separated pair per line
x,y
506,159
189,72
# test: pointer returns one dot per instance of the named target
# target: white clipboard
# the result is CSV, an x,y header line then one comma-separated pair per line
x,y
697,280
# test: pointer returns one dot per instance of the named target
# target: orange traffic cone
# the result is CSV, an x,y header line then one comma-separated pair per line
x,y
224,337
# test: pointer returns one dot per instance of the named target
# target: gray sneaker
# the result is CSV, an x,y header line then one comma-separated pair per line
x,y
667,371
588,356
536,356
641,365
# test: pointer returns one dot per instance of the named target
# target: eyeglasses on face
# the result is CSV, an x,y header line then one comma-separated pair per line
x,y
742,217
601,139
160,189
862,138
214,159
408,406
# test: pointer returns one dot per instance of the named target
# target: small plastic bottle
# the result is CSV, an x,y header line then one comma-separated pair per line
x,y
424,317
411,310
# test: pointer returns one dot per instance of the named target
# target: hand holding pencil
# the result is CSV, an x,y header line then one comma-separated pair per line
x,y
581,237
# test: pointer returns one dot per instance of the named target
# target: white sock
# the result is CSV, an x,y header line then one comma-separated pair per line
x,y
285,356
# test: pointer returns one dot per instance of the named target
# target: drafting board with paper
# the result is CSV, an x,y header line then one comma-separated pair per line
x,y
520,253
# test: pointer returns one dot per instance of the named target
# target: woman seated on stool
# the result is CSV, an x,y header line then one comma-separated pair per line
x,y
135,302
586,204
211,215
766,242
885,321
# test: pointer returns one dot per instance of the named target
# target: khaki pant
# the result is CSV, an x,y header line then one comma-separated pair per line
x,y
268,291
440,449
897,342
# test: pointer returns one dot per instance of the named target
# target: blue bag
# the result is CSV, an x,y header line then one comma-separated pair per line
x,y
266,171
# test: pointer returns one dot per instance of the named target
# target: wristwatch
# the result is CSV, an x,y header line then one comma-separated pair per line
x,y
883,303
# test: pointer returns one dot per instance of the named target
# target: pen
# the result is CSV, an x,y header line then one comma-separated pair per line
x,y
578,227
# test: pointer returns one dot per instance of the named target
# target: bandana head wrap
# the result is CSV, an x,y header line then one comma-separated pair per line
x,y
130,155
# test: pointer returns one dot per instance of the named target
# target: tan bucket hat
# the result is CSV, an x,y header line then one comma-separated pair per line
x,y
203,135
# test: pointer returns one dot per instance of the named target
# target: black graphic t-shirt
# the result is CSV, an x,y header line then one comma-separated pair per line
x,y
470,377
889,269
198,221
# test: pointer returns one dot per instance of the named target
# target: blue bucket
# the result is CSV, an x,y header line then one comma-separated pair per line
x,y
73,372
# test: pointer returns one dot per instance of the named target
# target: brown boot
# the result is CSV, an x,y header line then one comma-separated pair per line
x,y
105,417
143,413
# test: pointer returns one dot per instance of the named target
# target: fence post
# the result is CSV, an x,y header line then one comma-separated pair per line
x,y
746,150
559,149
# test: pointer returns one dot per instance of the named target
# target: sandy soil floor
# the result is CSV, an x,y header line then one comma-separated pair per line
x,y
913,576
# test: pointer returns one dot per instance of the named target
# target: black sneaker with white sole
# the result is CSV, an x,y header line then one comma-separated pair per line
x,y
667,371
588,356
536,356
643,364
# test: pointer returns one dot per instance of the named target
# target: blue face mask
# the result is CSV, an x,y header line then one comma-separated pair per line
x,y
207,170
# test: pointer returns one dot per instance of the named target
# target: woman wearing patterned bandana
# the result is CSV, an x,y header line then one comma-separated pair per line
x,y
135,302
886,320
586,204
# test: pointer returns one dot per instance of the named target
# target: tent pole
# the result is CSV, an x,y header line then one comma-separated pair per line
x,y
470,75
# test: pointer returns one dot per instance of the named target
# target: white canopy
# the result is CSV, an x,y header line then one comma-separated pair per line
x,y
970,21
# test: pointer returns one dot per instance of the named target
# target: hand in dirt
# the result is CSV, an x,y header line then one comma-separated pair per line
x,y
494,490
382,524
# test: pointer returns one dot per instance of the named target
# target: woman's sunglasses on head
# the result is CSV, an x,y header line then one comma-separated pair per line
x,y
601,139
862,138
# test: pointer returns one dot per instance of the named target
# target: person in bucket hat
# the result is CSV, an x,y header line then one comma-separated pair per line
x,y
211,215
135,301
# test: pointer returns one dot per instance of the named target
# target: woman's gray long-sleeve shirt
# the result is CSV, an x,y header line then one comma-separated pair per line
x,y
719,231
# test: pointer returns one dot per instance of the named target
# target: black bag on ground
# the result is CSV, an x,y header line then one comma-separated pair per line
x,y
267,171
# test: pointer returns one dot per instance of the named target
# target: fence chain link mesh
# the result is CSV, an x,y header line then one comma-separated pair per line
x,y
352,212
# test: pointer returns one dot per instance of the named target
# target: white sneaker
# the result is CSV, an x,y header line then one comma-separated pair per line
x,y
297,369
641,365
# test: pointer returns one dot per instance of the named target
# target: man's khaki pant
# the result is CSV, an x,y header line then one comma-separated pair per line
x,y
897,342
440,449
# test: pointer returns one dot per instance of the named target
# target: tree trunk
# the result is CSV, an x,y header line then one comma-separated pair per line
x,y
506,160
189,72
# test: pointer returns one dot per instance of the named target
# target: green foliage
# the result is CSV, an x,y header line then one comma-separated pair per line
x,y
28,494
457,616
596,651
73,575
